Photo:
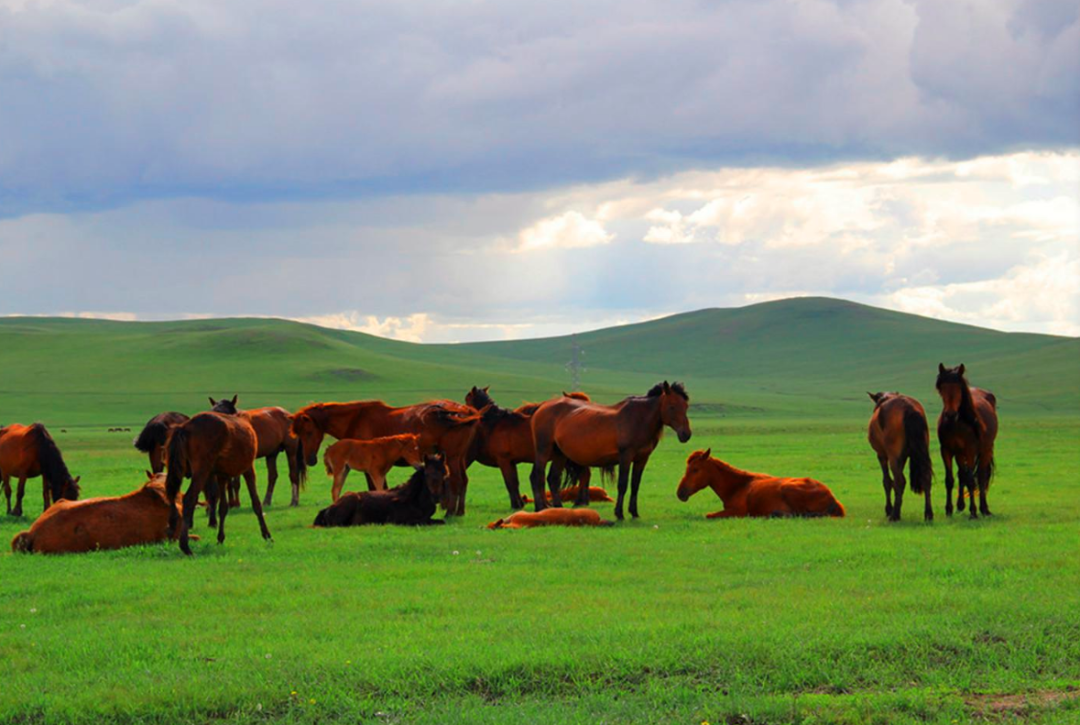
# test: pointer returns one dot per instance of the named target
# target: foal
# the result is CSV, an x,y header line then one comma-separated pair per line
x,y
410,504
374,457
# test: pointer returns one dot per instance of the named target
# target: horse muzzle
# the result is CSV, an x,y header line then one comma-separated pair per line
x,y
684,436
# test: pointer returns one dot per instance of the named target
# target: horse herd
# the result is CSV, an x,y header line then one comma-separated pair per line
x,y
563,438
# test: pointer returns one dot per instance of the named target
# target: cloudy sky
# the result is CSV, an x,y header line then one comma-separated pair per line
x,y
462,169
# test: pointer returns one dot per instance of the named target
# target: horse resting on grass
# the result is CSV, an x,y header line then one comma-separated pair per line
x,y
755,494
596,495
600,436
29,452
113,522
411,504
374,457
550,517
967,430
899,434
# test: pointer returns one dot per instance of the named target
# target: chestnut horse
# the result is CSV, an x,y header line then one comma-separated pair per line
x,y
755,494
443,426
29,452
550,517
410,504
504,439
374,457
272,430
114,522
967,429
588,434
899,434
154,436
213,448
596,495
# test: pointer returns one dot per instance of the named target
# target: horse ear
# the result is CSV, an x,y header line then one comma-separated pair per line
x,y
486,387
212,401
708,452
667,388
941,367
961,369
234,399
76,479
149,475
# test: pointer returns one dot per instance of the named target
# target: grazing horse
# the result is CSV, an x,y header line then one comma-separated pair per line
x,y
967,429
550,517
272,430
443,427
411,504
504,439
29,452
155,434
755,494
899,434
588,434
113,522
213,448
374,457
596,495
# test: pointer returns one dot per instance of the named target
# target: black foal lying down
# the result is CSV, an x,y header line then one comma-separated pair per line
x,y
411,504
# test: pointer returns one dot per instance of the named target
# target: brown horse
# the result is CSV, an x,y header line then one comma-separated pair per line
x,y
588,434
504,439
151,440
967,429
443,426
211,447
550,517
29,452
273,431
596,495
899,434
755,494
374,457
114,522
410,504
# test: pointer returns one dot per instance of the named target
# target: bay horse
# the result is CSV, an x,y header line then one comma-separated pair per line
x,y
151,440
899,434
374,457
273,431
443,426
755,494
504,439
589,434
113,522
29,452
967,430
550,517
411,504
596,495
212,448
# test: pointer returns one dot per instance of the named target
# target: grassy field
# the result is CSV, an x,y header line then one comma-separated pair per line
x,y
670,618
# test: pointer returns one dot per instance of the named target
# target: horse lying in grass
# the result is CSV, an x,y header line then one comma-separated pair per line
x,y
596,495
374,457
550,517
28,451
755,494
899,434
411,504
115,522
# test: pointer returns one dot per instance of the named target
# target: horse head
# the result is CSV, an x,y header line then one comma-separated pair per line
x,y
951,386
696,476
413,456
224,406
310,434
435,473
674,403
478,397
68,489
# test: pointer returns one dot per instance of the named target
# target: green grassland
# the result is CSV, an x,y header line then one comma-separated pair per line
x,y
670,618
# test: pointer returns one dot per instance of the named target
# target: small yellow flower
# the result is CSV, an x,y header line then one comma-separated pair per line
x,y
312,701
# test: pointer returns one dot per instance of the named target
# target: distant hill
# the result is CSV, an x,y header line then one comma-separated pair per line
x,y
806,356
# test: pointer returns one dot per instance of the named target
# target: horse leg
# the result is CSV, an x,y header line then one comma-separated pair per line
x,y
20,490
271,479
223,511
554,478
458,471
635,482
234,492
886,483
584,479
946,458
191,498
294,475
967,482
213,488
536,478
513,485
984,486
899,483
249,479
624,474
370,481
7,491
339,482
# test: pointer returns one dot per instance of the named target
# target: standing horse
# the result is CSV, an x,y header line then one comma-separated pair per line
x,y
967,429
588,434
504,439
899,434
374,457
213,448
29,452
443,427
154,436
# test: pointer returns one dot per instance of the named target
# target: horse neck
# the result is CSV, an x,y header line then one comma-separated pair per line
x,y
967,410
726,480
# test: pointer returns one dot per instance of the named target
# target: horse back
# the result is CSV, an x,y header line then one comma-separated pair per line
x,y
271,426
226,442
18,452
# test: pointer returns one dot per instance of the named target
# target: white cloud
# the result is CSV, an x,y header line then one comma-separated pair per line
x,y
568,230
408,329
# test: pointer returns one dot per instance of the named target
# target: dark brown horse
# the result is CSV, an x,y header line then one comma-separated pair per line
x,y
211,447
588,434
967,429
155,434
410,504
504,439
29,452
900,435
443,427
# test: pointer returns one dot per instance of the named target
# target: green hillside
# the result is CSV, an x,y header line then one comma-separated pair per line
x,y
807,356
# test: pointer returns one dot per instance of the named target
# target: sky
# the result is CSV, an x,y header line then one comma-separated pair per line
x,y
463,170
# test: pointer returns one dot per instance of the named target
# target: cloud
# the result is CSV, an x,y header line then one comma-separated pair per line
x,y
568,230
409,329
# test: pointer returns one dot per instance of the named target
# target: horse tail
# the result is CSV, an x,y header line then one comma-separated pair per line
x,y
178,462
53,469
301,465
153,435
22,543
918,452
607,474
571,475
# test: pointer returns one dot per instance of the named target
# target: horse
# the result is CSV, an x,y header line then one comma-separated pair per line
x,y
151,440
29,452
273,431
411,504
755,494
374,457
590,434
113,522
899,434
967,429
504,439
442,426
550,517
596,495
212,447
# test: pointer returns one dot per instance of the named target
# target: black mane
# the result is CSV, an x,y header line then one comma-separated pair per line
x,y
658,390
953,376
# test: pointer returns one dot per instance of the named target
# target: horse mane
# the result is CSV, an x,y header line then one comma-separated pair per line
x,y
967,404
53,468
658,390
